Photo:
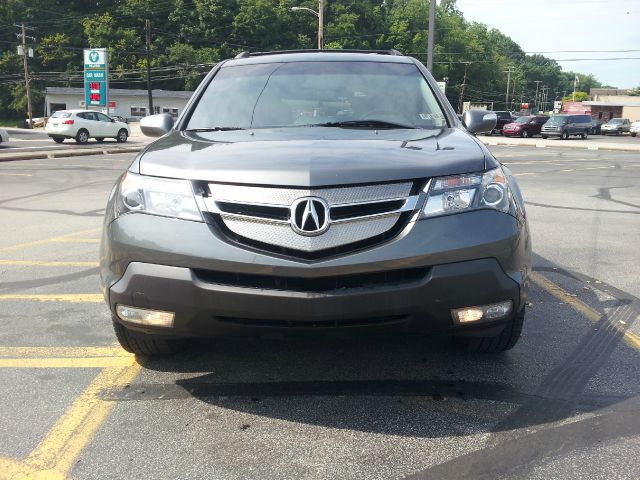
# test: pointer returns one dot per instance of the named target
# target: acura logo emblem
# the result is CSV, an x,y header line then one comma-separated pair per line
x,y
309,216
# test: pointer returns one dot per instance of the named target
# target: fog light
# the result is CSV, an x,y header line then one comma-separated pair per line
x,y
154,318
492,311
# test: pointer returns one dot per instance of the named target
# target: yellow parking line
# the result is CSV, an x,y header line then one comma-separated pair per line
x,y
12,469
43,263
97,362
73,432
62,352
579,306
48,240
75,240
59,297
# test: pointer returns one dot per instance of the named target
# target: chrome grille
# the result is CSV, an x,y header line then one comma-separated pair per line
x,y
263,214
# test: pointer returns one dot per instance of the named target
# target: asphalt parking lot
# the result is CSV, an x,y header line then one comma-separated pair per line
x,y
564,403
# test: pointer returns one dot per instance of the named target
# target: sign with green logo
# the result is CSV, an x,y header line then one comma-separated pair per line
x,y
96,77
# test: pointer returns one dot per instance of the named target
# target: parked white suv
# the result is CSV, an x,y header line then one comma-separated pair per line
x,y
84,124
635,128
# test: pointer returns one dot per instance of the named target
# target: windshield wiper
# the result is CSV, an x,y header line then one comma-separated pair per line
x,y
362,124
214,129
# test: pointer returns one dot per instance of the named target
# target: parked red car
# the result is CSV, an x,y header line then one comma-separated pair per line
x,y
525,126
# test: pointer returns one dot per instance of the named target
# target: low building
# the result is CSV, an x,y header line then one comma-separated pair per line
x,y
130,104
608,103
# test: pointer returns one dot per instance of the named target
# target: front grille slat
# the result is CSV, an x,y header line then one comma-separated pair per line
x,y
347,322
316,284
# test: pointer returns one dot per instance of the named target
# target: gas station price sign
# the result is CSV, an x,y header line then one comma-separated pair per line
x,y
96,77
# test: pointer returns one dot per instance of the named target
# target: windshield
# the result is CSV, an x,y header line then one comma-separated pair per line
x,y
522,119
615,121
557,120
316,93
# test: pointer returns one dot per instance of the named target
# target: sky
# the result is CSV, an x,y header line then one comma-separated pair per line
x,y
596,27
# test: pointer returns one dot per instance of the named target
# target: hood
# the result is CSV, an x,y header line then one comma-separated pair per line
x,y
311,157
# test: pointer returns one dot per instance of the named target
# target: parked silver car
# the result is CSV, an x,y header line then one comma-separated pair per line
x,y
616,126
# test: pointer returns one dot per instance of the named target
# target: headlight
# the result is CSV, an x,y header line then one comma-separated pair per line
x,y
157,196
467,192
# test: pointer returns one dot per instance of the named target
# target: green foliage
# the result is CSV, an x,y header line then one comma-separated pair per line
x,y
19,102
580,97
634,92
188,36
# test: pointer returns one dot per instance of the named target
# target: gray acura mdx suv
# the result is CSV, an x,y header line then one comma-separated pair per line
x,y
316,190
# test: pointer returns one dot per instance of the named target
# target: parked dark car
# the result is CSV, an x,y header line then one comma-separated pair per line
x,y
503,119
564,126
526,126
596,126
316,191
616,126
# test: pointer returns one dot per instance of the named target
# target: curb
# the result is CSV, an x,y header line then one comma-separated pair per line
x,y
596,146
67,153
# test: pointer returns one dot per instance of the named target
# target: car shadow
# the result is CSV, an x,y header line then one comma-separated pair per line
x,y
416,385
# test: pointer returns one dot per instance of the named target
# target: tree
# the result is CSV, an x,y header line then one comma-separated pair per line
x,y
580,97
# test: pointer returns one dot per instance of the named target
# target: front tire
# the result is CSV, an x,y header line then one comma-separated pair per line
x,y
544,137
584,135
58,139
122,136
505,340
633,134
564,136
525,134
82,136
146,344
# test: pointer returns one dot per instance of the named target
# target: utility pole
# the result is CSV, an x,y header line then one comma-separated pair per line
x,y
508,71
25,53
320,24
432,33
536,98
464,82
148,43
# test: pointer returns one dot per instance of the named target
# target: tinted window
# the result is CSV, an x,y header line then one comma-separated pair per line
x,y
61,114
87,115
308,93
103,118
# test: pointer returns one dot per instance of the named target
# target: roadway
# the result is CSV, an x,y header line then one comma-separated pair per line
x,y
564,403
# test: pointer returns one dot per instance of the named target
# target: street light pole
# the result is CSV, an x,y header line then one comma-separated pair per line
x,y
320,15
320,24
432,32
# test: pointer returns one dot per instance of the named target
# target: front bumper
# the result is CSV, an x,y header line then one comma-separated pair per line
x,y
553,133
511,133
215,287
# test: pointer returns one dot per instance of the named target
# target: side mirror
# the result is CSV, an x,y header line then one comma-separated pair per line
x,y
156,125
479,121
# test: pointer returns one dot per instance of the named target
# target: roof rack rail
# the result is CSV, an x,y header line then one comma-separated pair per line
x,y
278,52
